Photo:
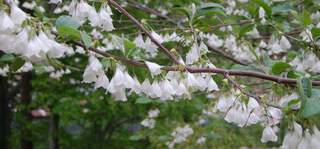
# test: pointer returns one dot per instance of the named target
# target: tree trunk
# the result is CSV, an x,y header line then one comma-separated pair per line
x,y
4,114
54,132
26,134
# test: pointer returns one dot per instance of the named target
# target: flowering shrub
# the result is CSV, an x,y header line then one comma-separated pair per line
x,y
246,62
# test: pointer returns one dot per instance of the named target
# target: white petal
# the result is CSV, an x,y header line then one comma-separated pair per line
x,y
102,81
284,43
120,95
252,104
212,85
157,37
154,68
261,13
17,15
268,135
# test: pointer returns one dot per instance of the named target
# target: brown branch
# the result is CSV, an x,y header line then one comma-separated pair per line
x,y
205,70
258,75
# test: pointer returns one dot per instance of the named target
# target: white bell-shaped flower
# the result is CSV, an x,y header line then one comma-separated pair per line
x,y
157,37
212,85
6,23
92,70
102,81
154,68
106,20
145,86
120,95
193,55
17,15
155,91
269,134
284,43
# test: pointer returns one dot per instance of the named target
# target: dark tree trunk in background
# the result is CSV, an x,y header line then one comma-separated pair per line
x,y
26,134
4,114
54,132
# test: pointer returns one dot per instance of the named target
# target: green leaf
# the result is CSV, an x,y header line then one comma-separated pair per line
x,y
294,74
293,103
129,44
86,39
184,11
164,138
68,27
210,5
315,33
143,100
311,106
7,57
280,67
210,12
245,28
18,62
304,87
69,32
282,8
210,9
278,89
136,137
305,18
67,21
291,55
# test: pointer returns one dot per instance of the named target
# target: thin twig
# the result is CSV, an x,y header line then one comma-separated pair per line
x,y
258,75
248,94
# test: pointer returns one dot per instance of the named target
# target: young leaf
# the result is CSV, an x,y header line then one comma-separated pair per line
x,y
245,28
68,27
18,62
7,57
86,39
311,106
143,100
210,5
279,67
315,33
305,18
282,8
67,21
69,32
136,137
305,88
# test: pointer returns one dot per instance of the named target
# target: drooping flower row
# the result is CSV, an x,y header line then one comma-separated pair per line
x,y
175,84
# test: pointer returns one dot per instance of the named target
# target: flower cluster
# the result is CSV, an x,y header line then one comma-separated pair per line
x,y
23,40
150,121
237,111
297,138
82,11
175,84
180,134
